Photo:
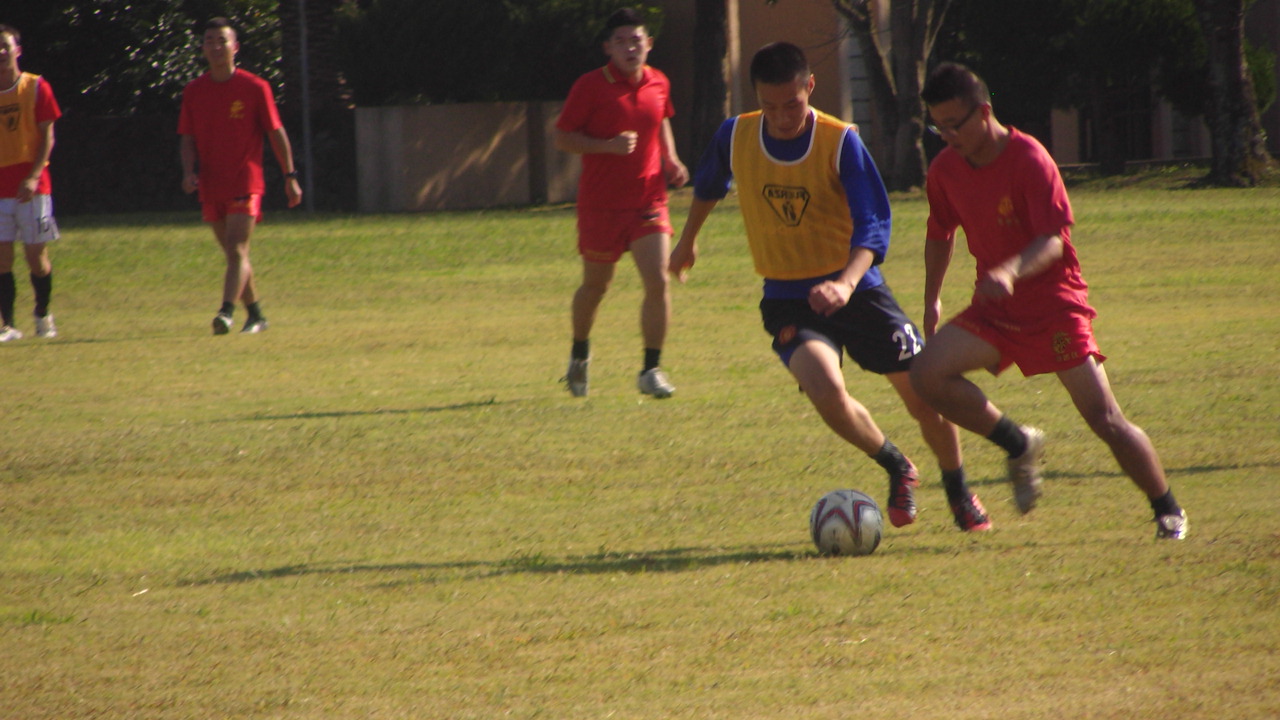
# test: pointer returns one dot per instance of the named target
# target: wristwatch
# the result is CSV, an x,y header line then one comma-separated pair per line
x,y
293,174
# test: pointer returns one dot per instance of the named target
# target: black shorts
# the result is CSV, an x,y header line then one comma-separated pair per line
x,y
872,328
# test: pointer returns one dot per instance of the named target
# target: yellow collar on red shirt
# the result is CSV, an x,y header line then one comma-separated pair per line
x,y
613,74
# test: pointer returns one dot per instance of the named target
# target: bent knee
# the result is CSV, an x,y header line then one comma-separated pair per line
x,y
1109,424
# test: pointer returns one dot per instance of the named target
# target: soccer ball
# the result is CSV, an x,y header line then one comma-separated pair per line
x,y
846,522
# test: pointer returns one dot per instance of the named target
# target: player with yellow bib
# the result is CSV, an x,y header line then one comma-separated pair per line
x,y
27,113
818,223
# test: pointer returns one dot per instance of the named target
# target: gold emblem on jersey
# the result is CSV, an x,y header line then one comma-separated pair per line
x,y
788,203
237,110
1005,211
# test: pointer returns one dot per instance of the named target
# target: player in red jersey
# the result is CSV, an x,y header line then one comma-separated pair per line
x,y
27,113
225,113
1030,303
618,119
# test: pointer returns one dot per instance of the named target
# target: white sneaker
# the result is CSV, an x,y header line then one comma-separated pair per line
x,y
8,334
654,382
576,377
1024,471
45,327
1173,527
254,326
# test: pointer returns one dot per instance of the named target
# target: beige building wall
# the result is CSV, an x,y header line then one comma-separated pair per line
x,y
813,25
445,157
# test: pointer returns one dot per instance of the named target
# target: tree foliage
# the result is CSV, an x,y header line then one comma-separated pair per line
x,y
111,58
407,51
1105,59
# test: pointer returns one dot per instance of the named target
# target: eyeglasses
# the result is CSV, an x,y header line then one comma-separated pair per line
x,y
952,129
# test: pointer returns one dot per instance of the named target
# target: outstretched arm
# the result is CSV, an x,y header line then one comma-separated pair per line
x,y
187,151
685,253
937,258
44,148
676,173
284,155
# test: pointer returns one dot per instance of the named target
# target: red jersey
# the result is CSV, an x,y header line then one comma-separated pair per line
x,y
602,104
228,120
1002,207
23,108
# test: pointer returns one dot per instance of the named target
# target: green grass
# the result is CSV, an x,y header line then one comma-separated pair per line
x,y
386,507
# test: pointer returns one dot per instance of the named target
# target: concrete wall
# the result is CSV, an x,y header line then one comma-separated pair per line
x,y
471,155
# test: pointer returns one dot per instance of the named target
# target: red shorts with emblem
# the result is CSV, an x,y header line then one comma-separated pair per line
x,y
1050,347
604,235
247,205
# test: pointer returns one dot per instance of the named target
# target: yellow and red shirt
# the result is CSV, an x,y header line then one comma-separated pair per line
x,y
23,108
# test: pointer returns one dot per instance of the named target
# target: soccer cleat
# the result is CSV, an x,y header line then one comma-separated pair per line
x,y
576,376
253,325
970,515
1173,527
45,327
654,382
221,324
9,334
902,497
1024,471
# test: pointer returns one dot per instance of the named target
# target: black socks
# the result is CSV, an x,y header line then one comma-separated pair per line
x,y
891,459
651,358
1165,505
43,287
953,481
1009,437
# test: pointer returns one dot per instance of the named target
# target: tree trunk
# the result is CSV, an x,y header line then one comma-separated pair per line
x,y
710,88
1239,144
896,57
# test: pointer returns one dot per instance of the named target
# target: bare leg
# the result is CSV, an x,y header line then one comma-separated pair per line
x,y
937,375
1091,392
816,366
940,435
232,234
596,278
650,254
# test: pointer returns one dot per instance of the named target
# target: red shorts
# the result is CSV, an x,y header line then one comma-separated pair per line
x,y
604,235
1050,347
247,205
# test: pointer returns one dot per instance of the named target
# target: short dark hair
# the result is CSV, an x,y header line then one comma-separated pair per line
x,y
623,17
12,32
778,63
953,81
218,23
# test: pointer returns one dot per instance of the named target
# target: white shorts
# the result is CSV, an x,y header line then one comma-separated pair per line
x,y
30,222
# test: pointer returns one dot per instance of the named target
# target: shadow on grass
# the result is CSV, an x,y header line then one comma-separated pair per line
x,y
1174,473
319,414
674,560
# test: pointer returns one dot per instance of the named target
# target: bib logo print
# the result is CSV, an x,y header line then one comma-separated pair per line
x,y
788,203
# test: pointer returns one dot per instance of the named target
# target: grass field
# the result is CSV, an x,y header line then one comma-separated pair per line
x,y
386,507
